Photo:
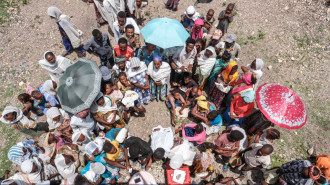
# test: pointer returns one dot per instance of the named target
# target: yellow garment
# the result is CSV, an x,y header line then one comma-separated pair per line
x,y
113,157
123,89
226,73
202,103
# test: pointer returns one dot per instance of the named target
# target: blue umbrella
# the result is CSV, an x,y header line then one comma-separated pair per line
x,y
164,33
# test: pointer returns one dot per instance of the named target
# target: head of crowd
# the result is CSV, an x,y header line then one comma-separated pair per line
x,y
202,81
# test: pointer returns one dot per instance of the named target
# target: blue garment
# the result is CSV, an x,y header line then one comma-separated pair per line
x,y
51,99
100,158
176,104
233,121
190,132
111,135
144,95
217,121
66,41
148,59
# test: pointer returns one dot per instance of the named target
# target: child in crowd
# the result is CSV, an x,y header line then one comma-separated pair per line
x,y
227,144
27,102
124,84
194,132
174,100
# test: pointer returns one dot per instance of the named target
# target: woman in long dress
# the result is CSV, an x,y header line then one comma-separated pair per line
x,y
159,73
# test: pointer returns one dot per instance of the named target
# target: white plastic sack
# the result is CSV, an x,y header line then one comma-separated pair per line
x,y
186,149
162,138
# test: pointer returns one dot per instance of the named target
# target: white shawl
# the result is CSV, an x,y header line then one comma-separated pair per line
x,y
258,71
86,123
56,69
54,112
132,72
20,118
70,29
66,170
162,74
106,107
206,64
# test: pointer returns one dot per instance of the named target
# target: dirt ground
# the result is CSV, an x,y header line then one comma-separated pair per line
x,y
291,36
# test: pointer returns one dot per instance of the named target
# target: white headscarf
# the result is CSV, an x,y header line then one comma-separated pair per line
x,y
206,64
69,28
26,122
258,71
76,134
162,74
49,87
90,148
66,170
57,68
87,123
135,62
106,107
99,141
96,169
51,114
191,10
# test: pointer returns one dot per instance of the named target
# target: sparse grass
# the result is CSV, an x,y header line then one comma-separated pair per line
x,y
303,42
147,13
224,3
320,29
253,39
5,5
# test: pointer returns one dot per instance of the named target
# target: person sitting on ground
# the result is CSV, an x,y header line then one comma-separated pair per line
x,y
202,109
183,62
100,45
96,173
120,65
38,171
139,150
157,155
117,134
83,126
148,52
267,136
121,23
15,117
219,66
159,73
28,104
187,83
111,90
225,18
122,49
134,40
174,100
137,75
231,46
197,31
205,64
71,36
188,19
59,121
194,132
172,5
226,145
53,142
191,94
124,84
203,165
65,165
241,106
104,111
215,121
44,100
323,163
54,65
298,172
23,151
256,157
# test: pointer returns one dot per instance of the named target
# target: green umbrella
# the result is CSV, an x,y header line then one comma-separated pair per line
x,y
79,86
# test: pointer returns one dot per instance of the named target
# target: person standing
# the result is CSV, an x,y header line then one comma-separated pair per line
x,y
121,23
101,46
71,36
134,40
226,17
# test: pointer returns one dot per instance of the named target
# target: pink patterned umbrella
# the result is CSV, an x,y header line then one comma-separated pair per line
x,y
281,106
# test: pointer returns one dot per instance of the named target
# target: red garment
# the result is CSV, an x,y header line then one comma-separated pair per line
x,y
128,52
223,142
240,108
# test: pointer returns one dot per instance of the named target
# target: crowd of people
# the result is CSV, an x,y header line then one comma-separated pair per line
x,y
200,82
